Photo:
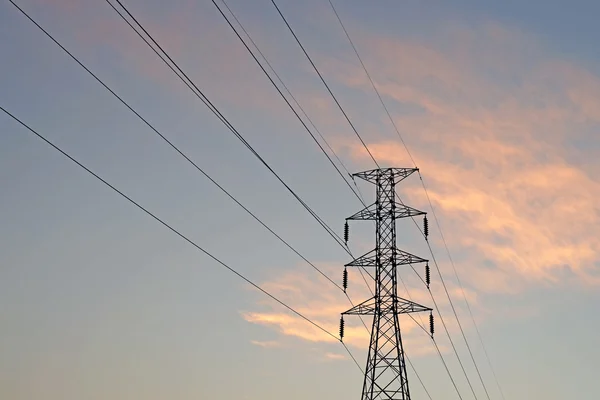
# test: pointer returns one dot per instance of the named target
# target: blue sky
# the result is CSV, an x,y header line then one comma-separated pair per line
x,y
498,104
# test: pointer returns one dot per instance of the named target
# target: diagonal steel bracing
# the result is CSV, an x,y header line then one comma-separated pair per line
x,y
385,373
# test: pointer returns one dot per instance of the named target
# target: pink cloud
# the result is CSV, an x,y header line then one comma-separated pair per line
x,y
496,155
318,300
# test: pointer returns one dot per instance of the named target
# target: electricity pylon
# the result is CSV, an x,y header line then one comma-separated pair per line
x,y
385,372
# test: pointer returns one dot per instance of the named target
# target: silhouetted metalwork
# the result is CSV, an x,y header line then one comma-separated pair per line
x,y
385,373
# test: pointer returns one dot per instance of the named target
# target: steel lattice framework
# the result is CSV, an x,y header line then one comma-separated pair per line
x,y
385,372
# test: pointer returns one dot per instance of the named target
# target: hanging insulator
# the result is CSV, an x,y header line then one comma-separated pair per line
x,y
345,279
431,323
425,227
427,275
346,232
342,327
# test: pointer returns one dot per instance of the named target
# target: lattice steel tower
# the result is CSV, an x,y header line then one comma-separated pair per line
x,y
385,372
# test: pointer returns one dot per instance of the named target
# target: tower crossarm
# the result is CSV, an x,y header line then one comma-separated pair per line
x,y
385,306
400,257
397,210
398,174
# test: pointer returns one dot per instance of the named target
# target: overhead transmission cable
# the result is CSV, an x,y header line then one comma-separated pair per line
x,y
324,82
184,77
220,116
279,79
174,230
344,113
317,130
191,161
179,74
429,201
194,164
182,154
170,59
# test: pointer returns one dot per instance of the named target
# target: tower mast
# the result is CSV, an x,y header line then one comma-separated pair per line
x,y
385,372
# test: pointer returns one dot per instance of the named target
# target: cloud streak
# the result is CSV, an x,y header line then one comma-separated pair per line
x,y
498,147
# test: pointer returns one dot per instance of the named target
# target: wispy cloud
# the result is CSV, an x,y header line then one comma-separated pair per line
x,y
497,126
319,301
498,146
335,356
266,344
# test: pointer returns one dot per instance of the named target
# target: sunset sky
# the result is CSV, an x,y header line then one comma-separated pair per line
x,y
498,103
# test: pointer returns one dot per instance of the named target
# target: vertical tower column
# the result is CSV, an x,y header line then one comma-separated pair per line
x,y
385,372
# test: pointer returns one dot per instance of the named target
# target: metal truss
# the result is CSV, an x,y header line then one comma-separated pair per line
x,y
385,372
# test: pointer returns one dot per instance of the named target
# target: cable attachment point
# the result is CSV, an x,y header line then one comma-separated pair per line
x,y
342,328
426,227
345,279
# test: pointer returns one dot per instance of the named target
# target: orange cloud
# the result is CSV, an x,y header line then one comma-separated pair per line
x,y
500,135
317,299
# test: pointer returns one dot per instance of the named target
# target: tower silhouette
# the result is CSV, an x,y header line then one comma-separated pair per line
x,y
385,372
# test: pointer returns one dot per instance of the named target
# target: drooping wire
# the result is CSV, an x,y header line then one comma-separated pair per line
x,y
229,125
165,224
285,87
181,235
190,82
194,164
359,195
324,82
189,160
223,119
281,93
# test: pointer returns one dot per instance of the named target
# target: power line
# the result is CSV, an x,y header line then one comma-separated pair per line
x,y
190,161
214,110
188,79
172,229
190,87
206,102
271,80
285,88
324,82
226,122
187,158
198,168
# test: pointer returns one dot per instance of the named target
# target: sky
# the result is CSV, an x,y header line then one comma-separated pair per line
x,y
497,102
